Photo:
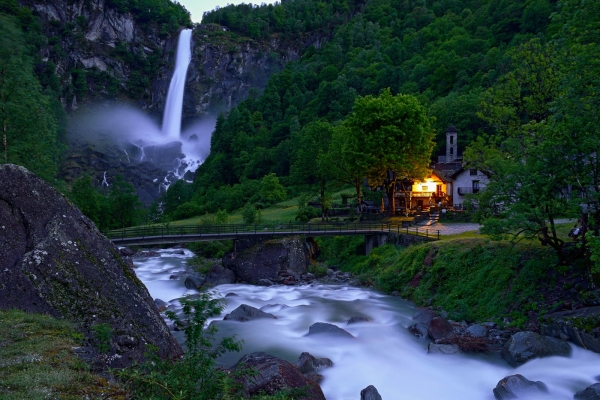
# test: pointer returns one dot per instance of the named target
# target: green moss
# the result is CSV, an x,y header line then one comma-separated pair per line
x,y
37,361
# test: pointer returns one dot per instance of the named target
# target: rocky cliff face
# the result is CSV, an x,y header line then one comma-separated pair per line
x,y
54,260
226,66
100,53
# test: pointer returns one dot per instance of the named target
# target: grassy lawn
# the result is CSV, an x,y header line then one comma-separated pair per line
x,y
37,361
282,212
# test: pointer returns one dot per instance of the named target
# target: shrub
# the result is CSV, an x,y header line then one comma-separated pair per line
x,y
194,376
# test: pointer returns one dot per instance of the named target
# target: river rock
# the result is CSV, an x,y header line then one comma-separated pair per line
x,y
565,330
524,346
53,260
126,252
591,299
476,330
274,374
434,348
308,364
321,328
439,328
424,316
514,386
247,313
357,319
419,330
267,259
217,275
589,393
193,282
370,393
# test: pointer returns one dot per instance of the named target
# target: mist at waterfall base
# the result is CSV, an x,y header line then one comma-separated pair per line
x,y
382,353
141,139
137,134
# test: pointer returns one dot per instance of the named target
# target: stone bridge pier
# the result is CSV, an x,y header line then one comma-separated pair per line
x,y
374,241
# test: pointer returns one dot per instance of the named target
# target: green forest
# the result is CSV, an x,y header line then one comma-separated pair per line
x,y
519,79
454,57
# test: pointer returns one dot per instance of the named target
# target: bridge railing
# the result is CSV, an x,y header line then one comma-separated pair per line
x,y
170,231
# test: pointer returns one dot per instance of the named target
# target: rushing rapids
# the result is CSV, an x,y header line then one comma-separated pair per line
x,y
382,353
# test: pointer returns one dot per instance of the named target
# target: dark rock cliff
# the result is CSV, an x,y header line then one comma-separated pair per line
x,y
123,59
54,260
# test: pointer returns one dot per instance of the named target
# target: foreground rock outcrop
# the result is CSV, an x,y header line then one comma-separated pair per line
x,y
53,260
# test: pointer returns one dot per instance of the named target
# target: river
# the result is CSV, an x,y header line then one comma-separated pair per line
x,y
383,352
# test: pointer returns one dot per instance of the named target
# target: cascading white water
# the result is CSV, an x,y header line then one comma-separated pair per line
x,y
104,181
382,353
172,116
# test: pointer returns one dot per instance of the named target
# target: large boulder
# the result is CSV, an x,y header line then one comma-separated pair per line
x,y
272,375
423,319
267,260
246,313
439,328
217,275
589,393
516,386
524,346
323,328
308,364
370,393
54,260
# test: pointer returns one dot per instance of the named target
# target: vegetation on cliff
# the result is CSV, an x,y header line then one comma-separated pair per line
x,y
31,118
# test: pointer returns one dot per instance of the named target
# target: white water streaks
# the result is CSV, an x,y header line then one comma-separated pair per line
x,y
173,110
382,353
104,181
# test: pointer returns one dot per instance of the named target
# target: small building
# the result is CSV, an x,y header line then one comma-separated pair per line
x,y
449,183
411,195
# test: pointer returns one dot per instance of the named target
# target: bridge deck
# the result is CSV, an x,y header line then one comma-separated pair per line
x,y
156,235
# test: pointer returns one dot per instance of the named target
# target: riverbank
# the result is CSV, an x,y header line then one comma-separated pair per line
x,y
472,279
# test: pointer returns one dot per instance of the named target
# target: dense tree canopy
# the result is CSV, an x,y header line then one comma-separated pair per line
x,y
28,123
446,54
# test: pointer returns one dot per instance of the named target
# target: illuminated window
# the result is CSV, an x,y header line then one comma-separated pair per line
x,y
424,188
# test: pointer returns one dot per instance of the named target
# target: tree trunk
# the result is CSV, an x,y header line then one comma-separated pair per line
x,y
323,209
390,194
4,144
357,186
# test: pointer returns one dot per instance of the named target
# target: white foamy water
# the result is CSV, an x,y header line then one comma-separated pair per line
x,y
382,353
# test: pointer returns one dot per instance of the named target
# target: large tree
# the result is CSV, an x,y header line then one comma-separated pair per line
x,y
529,176
388,137
310,162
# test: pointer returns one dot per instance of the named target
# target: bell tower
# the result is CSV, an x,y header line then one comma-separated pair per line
x,y
451,144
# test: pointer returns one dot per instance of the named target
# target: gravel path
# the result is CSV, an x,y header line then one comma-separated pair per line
x,y
452,228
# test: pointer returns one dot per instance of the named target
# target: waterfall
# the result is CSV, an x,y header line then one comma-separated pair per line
x,y
172,116
104,181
